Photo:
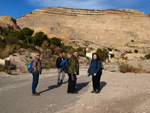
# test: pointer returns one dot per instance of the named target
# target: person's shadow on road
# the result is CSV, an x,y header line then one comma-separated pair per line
x,y
102,85
51,87
80,86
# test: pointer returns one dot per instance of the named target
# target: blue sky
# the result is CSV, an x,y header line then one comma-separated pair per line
x,y
17,8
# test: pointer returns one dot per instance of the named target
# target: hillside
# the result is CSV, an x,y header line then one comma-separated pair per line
x,y
110,28
7,21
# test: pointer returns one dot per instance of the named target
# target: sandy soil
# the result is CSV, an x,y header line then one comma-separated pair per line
x,y
120,93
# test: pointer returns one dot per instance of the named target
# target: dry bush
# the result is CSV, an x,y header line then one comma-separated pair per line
x,y
9,49
45,45
124,68
8,71
2,68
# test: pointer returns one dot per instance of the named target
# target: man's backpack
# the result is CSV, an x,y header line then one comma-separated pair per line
x,y
64,65
29,66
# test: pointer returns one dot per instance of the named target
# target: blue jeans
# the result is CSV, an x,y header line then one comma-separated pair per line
x,y
35,81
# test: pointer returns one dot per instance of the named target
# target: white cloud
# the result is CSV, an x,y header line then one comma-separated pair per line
x,y
85,4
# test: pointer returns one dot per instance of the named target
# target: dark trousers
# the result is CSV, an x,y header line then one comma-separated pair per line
x,y
35,81
71,83
96,81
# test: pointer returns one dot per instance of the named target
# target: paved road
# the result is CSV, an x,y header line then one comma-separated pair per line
x,y
121,93
16,97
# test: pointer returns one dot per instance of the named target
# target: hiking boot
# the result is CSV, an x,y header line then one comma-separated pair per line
x,y
74,92
93,91
35,94
61,82
97,91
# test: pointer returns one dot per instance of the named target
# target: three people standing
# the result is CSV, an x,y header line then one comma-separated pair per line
x,y
58,61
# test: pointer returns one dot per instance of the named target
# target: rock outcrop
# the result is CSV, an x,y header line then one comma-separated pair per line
x,y
110,28
7,21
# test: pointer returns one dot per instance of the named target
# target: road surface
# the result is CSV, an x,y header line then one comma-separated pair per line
x,y
120,93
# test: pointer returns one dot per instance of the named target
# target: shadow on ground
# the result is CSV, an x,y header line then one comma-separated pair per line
x,y
52,87
102,85
80,86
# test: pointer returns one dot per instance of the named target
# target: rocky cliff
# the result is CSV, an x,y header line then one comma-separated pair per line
x,y
113,28
7,21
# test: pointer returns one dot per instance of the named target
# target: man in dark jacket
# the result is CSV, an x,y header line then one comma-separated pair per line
x,y
73,70
36,70
58,61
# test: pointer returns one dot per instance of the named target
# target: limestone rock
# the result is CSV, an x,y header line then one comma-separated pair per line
x,y
109,28
6,21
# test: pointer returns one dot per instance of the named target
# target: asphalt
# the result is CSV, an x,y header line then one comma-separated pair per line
x,y
16,96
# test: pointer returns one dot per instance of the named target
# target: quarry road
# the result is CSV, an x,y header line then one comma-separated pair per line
x,y
120,93
16,96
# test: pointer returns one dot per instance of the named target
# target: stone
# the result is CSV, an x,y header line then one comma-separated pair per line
x,y
113,28
6,21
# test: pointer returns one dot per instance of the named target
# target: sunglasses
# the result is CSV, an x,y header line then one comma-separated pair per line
x,y
38,55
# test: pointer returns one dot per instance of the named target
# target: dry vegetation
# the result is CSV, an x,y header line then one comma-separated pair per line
x,y
124,68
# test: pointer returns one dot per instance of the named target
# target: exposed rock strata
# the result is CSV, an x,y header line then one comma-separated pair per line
x,y
7,21
111,28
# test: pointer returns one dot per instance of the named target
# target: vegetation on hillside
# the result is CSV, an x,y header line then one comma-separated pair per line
x,y
103,53
11,40
136,51
147,56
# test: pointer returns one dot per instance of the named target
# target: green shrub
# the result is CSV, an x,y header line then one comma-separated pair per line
x,y
2,43
103,54
26,35
11,40
38,38
109,49
66,48
27,31
1,30
112,55
136,51
81,51
129,51
30,46
147,56
55,41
